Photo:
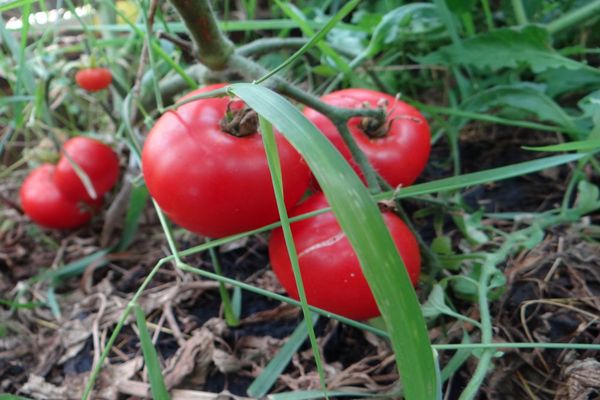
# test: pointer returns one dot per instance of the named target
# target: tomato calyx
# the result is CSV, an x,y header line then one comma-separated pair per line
x,y
376,127
239,120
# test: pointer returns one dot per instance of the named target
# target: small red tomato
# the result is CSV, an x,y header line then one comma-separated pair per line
x,y
398,150
93,79
96,159
210,181
332,276
46,205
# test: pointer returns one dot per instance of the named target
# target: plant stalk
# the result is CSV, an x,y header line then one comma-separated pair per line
x,y
213,48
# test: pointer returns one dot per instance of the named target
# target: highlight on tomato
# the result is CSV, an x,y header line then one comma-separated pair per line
x,y
93,79
96,159
331,273
46,204
398,148
205,165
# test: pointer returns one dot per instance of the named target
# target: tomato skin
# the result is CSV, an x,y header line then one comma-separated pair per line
x,y
99,162
401,155
332,276
93,79
213,183
46,205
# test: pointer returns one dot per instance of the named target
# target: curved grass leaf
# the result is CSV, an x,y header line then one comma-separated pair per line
x,y
263,383
476,178
314,40
360,219
157,383
580,145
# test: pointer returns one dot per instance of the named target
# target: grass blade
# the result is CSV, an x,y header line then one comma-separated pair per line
x,y
137,202
363,225
157,383
315,39
275,169
580,145
263,383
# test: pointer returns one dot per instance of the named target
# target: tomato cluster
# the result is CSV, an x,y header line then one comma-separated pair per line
x,y
55,197
93,79
205,166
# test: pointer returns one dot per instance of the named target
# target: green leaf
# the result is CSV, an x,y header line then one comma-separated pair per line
x,y
522,96
263,382
361,221
397,23
460,6
74,268
470,225
9,5
563,80
590,105
505,48
579,145
268,136
475,178
5,396
295,14
137,202
318,394
157,383
588,198
315,39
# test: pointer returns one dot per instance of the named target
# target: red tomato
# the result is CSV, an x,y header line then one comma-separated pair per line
x,y
211,182
46,205
399,156
96,159
93,79
332,276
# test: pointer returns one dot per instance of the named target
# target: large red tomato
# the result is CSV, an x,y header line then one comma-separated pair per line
x,y
96,159
400,154
93,79
46,205
332,276
212,182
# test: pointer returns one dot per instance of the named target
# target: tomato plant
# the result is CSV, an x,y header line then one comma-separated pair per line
x,y
332,276
398,149
46,205
96,159
93,79
206,167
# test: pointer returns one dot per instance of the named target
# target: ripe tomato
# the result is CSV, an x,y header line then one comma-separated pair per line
x,y
93,79
400,155
46,205
96,159
332,276
211,182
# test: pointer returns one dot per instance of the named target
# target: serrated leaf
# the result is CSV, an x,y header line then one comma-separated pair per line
x,y
522,96
562,80
505,48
